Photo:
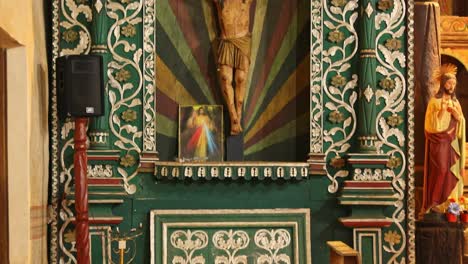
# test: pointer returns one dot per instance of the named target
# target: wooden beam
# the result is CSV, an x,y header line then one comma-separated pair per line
x,y
4,246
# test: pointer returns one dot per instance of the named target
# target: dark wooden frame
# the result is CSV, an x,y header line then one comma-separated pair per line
x,y
4,247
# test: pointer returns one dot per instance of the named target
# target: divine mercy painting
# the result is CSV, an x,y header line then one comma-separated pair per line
x,y
200,133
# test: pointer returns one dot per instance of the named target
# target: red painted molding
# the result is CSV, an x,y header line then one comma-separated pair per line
x,y
106,181
356,223
81,191
103,220
95,157
370,184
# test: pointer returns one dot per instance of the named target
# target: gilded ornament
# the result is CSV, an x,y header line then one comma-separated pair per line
x,y
393,44
392,237
336,36
385,5
127,161
338,81
337,162
70,36
387,84
394,120
129,30
70,236
394,162
129,115
339,3
123,75
336,117
125,1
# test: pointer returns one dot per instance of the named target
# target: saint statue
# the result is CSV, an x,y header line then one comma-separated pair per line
x,y
234,55
445,143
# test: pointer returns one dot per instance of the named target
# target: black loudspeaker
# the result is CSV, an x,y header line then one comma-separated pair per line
x,y
80,86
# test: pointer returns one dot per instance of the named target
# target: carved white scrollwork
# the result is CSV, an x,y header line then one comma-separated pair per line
x,y
124,90
340,96
373,175
316,71
392,65
189,242
231,242
100,171
273,241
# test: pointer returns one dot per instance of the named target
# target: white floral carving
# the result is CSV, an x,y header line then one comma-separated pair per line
x,y
372,175
149,51
70,12
316,71
98,5
189,242
368,93
231,242
369,10
392,25
338,58
273,241
124,94
101,171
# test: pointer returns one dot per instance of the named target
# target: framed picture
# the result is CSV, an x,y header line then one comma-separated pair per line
x,y
200,133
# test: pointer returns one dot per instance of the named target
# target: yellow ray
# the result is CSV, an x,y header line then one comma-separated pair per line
x,y
285,94
170,86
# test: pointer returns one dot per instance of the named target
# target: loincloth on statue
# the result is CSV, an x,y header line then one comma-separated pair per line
x,y
235,52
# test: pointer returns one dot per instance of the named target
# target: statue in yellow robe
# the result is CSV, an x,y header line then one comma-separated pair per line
x,y
445,144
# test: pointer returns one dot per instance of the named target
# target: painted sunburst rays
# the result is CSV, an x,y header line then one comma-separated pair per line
x,y
276,108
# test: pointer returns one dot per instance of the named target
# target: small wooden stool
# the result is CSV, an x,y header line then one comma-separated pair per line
x,y
340,253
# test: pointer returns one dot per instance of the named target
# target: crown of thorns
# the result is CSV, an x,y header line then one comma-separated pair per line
x,y
446,69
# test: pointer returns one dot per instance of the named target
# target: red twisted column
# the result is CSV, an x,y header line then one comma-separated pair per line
x,y
81,191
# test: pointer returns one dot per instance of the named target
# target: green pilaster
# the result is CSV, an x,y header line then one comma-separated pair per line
x,y
99,126
367,79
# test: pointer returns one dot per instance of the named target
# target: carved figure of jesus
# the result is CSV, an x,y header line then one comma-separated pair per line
x,y
234,55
